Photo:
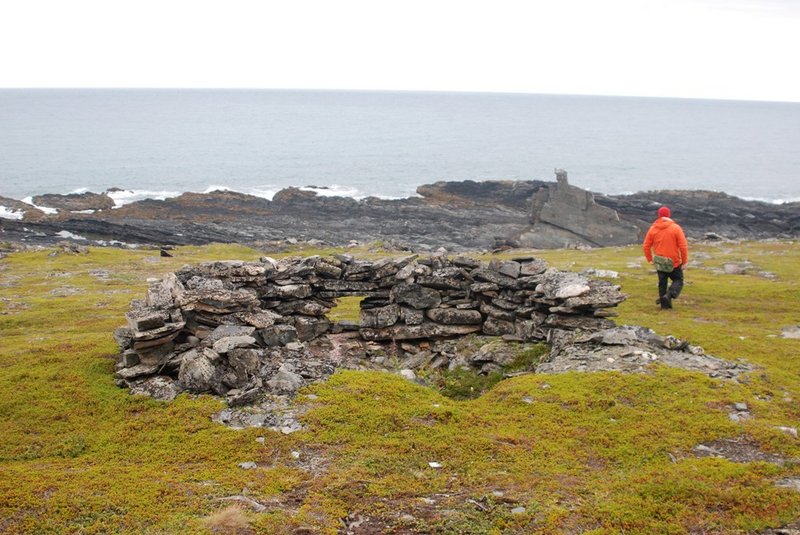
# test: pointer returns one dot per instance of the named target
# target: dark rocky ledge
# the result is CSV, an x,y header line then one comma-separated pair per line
x,y
463,215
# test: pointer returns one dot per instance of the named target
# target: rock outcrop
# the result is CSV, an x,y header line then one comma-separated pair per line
x,y
710,213
75,202
566,216
631,349
456,215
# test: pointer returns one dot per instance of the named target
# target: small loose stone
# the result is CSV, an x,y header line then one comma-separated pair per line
x,y
788,430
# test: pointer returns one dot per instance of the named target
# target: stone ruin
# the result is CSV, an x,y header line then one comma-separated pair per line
x,y
246,329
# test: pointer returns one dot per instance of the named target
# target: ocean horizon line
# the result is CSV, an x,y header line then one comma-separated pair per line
x,y
394,91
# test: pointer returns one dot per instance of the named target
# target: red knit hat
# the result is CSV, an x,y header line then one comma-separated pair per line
x,y
664,212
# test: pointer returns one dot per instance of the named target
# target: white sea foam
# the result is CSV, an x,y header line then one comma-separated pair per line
x,y
212,188
79,191
10,213
335,190
45,209
268,191
772,201
123,197
69,235
82,211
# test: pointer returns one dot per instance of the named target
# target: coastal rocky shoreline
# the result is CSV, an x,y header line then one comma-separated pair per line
x,y
458,216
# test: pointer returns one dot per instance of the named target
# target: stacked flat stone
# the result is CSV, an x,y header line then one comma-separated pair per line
x,y
520,299
241,326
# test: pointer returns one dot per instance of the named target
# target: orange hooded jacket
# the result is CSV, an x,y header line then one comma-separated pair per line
x,y
666,238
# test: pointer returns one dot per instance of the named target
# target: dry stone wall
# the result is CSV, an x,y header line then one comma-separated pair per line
x,y
248,326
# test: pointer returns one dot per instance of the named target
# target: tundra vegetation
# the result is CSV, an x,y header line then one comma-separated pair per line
x,y
575,452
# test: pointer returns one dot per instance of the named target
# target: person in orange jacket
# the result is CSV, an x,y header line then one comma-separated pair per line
x,y
665,246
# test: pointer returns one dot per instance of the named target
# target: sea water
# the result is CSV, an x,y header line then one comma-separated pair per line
x,y
159,143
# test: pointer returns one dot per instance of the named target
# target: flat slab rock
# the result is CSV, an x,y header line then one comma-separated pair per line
x,y
741,449
633,350
791,331
276,413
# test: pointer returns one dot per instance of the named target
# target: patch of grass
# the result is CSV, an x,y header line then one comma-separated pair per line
x,y
599,453
231,520
462,383
469,383
347,309
528,356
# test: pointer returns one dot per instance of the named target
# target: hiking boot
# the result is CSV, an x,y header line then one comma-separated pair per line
x,y
672,294
666,301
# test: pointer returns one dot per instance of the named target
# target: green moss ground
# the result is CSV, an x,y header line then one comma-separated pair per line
x,y
599,453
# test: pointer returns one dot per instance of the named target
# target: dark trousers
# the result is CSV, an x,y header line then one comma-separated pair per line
x,y
677,282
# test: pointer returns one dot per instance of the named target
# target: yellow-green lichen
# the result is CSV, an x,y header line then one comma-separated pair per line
x,y
597,453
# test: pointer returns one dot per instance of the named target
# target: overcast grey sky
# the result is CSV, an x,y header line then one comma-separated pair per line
x,y
738,49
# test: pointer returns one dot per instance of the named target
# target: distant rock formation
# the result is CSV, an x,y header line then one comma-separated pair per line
x,y
463,215
74,202
567,216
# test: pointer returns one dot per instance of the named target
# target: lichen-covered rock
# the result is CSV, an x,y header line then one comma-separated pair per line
x,y
309,328
285,381
146,318
228,343
295,291
260,319
197,371
306,307
226,331
498,327
454,316
278,335
494,277
157,387
411,316
138,370
510,269
497,312
424,330
156,337
416,296
245,363
218,301
631,349
571,290
377,318
577,323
